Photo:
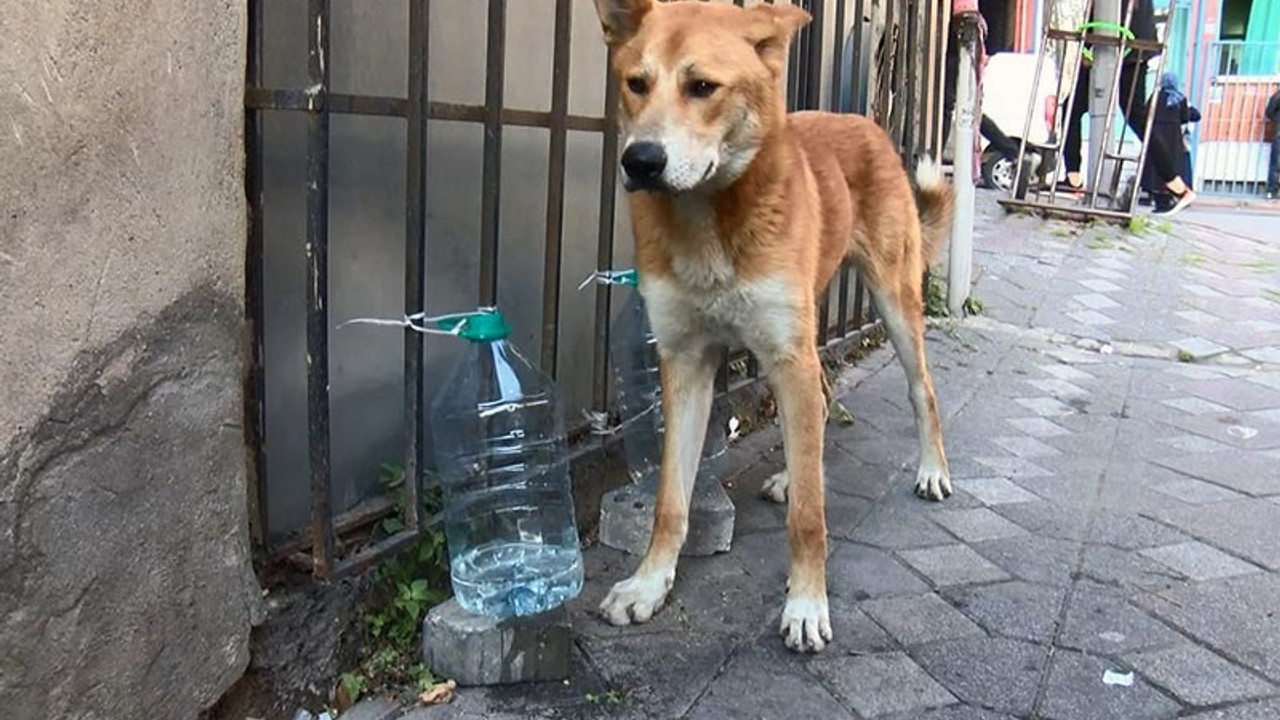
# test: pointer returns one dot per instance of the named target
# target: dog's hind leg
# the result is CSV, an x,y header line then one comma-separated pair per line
x,y
688,380
902,309
797,380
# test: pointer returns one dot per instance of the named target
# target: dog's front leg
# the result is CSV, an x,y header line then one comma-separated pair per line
x,y
806,624
687,388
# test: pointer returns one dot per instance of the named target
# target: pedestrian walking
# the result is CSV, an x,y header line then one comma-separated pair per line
x,y
1273,169
1172,112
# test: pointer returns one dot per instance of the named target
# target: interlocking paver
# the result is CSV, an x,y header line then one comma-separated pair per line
x,y
1198,676
1015,609
920,619
994,490
1199,561
977,524
953,565
997,673
1101,621
878,685
1076,692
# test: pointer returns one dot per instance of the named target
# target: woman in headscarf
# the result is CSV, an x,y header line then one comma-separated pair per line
x,y
1172,111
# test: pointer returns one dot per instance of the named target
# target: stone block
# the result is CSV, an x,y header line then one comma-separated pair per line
x,y
1197,676
626,518
876,685
480,650
953,565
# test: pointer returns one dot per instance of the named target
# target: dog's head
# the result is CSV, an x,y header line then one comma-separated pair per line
x,y
700,85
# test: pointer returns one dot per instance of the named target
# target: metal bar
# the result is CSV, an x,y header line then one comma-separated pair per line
x,y
856,75
858,301
491,181
555,188
317,247
842,304
415,255
255,292
837,78
813,35
339,104
604,243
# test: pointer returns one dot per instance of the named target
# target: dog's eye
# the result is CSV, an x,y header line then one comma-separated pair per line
x,y
637,85
701,88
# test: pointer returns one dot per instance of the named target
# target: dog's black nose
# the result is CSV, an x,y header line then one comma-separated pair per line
x,y
644,162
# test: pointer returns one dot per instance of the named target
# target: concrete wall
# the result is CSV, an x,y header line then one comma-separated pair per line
x,y
125,584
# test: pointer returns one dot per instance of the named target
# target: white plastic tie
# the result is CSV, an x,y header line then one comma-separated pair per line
x,y
418,322
606,277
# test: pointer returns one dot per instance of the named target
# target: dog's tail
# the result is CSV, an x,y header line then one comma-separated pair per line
x,y
934,202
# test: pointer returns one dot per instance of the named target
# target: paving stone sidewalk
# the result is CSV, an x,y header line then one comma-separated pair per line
x,y
1113,426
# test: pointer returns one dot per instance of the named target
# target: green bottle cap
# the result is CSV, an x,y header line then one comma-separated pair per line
x,y
482,326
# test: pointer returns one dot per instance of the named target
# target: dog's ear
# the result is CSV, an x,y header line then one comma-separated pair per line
x,y
621,18
771,30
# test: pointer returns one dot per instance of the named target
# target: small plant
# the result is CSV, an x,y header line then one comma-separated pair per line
x,y
973,305
1100,242
1139,225
1163,226
935,299
407,585
1185,356
1193,259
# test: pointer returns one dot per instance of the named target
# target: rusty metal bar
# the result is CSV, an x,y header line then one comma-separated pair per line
x,y
604,243
491,181
255,290
317,247
415,254
555,188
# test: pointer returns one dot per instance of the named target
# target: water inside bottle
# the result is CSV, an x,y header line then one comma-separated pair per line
x,y
505,579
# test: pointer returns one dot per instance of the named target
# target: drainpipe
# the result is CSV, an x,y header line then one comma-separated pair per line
x,y
966,19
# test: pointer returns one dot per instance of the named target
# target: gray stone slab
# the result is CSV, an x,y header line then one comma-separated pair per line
x,y
1230,428
953,712
1235,393
1235,616
479,650
626,518
974,525
855,632
1196,492
1264,710
859,572
664,673
897,529
1100,620
762,682
1197,676
1025,447
1199,347
1245,472
1014,609
1125,567
920,619
1044,560
993,490
1039,427
995,673
1199,561
878,685
1076,692
952,565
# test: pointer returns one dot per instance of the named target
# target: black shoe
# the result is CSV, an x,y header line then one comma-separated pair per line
x,y
1179,203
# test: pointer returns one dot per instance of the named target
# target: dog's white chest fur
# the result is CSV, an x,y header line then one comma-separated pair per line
x,y
704,303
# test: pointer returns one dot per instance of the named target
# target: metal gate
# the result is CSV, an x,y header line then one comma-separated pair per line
x,y
408,155
1231,144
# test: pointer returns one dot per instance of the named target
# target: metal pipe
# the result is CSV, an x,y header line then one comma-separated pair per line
x,y
317,247
960,259
415,254
1103,83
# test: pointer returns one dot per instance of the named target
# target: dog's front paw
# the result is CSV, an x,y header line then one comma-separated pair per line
x,y
933,483
806,625
637,598
775,488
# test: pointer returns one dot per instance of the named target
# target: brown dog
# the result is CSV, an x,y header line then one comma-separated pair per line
x,y
741,215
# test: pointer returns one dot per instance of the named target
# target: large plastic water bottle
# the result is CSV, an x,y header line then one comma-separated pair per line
x,y
633,353
498,430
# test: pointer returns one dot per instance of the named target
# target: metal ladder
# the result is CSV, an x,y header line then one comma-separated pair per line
x,y
1112,205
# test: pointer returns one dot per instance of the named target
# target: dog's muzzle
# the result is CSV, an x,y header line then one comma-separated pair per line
x,y
643,164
